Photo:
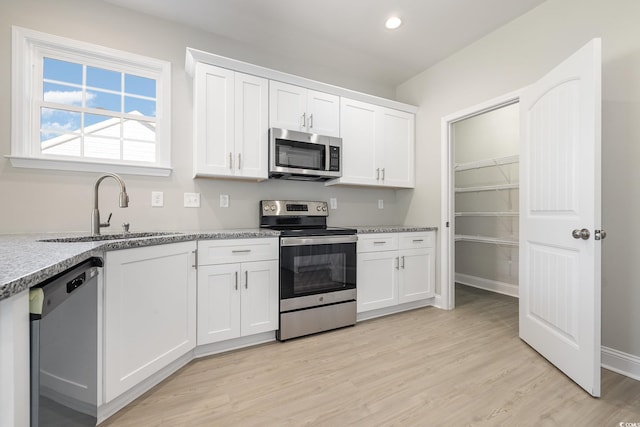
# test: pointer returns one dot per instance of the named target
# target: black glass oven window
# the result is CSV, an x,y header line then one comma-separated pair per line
x,y
301,155
315,269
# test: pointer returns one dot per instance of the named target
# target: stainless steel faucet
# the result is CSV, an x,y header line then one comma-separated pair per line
x,y
95,214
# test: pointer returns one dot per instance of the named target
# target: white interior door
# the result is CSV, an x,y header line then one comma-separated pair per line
x,y
560,193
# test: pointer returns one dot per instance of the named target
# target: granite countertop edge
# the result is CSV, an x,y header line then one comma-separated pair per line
x,y
25,260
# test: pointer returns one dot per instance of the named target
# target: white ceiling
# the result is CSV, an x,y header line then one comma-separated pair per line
x,y
346,35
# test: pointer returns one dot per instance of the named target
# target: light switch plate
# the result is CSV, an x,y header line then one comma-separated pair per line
x,y
380,204
191,200
333,203
157,199
224,200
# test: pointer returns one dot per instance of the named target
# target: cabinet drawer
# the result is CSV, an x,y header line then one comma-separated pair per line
x,y
237,250
377,242
417,240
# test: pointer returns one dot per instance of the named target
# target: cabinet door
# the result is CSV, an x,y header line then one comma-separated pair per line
x,y
396,148
259,302
417,275
149,312
377,280
358,128
323,113
218,302
214,122
287,106
251,126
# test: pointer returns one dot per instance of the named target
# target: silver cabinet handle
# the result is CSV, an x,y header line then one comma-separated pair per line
x,y
581,234
240,251
418,240
304,120
377,173
397,263
311,121
379,243
403,261
230,160
383,174
236,280
195,259
246,279
239,160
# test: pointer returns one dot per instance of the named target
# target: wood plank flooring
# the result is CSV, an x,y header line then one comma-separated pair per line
x,y
427,367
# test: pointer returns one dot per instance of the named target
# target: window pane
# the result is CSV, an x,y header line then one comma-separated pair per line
x,y
63,71
104,79
139,151
136,85
58,121
104,101
142,106
142,131
61,94
60,144
98,125
101,147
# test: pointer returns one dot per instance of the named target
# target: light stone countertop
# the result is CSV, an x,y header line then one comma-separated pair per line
x,y
26,261
392,229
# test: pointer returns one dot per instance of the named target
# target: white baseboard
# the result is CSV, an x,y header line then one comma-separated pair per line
x,y
487,284
622,363
372,314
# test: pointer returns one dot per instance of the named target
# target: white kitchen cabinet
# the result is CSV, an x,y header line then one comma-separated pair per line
x,y
297,108
149,312
231,124
378,145
237,288
395,268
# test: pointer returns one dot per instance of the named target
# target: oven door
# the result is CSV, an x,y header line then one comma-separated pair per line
x,y
317,265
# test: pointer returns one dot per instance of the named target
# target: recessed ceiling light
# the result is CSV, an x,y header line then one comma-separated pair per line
x,y
393,23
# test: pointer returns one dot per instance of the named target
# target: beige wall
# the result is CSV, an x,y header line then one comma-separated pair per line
x,y
34,200
513,57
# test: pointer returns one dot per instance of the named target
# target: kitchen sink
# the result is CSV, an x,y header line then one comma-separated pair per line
x,y
101,237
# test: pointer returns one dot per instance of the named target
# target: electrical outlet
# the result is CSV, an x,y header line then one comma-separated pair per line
x,y
380,204
191,200
224,200
157,199
333,203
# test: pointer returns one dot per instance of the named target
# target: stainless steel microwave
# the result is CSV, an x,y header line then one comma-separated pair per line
x,y
304,156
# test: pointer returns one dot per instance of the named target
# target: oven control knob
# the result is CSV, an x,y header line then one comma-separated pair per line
x,y
273,208
318,208
324,208
266,208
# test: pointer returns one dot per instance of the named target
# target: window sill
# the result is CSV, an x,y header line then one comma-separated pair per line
x,y
87,166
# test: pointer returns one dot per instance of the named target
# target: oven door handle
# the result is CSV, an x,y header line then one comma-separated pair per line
x,y
317,240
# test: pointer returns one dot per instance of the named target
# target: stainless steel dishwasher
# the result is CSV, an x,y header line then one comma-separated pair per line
x,y
64,347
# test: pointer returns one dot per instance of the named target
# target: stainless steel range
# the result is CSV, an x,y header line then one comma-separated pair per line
x,y
317,268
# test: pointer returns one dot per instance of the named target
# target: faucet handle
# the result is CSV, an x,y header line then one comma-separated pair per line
x,y
108,223
125,227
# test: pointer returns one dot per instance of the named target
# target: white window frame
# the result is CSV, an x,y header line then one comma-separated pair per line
x,y
28,47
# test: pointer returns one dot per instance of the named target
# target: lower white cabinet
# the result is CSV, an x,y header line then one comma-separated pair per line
x,y
395,268
238,289
149,312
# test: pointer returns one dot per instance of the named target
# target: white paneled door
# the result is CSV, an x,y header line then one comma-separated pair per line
x,y
560,216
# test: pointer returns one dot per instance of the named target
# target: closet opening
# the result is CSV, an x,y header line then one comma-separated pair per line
x,y
480,238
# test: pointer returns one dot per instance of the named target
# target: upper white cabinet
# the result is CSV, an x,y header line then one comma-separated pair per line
x,y
231,124
378,145
296,108
149,312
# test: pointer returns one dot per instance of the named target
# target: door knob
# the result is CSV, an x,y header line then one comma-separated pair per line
x,y
581,234
600,235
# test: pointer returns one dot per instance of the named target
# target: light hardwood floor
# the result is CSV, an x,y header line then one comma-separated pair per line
x,y
427,367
